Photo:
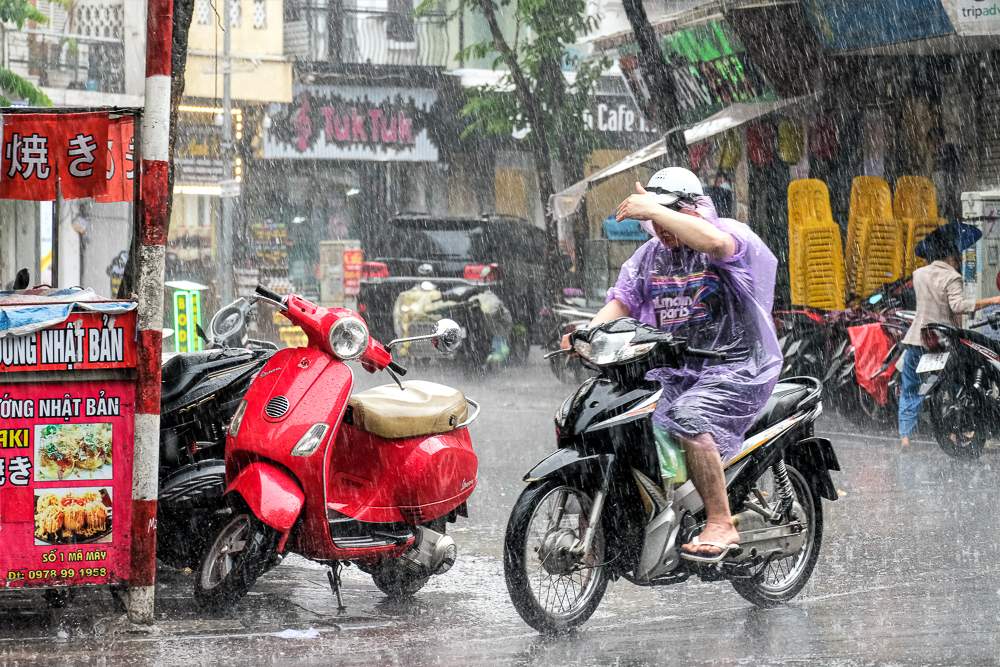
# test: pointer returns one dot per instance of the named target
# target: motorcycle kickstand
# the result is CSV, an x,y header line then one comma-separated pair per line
x,y
333,574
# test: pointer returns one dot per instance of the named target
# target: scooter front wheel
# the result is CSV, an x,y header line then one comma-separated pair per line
x,y
552,588
239,555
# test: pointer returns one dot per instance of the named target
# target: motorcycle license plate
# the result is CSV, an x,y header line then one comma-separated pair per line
x,y
932,362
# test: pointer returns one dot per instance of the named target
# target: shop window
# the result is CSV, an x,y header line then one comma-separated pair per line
x,y
399,26
203,12
235,13
260,14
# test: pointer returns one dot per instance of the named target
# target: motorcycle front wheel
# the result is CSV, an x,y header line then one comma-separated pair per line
x,y
778,581
954,420
552,590
241,552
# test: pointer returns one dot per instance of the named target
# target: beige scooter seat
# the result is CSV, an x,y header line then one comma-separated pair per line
x,y
423,408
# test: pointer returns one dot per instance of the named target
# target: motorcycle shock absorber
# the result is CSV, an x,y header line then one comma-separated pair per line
x,y
783,486
977,379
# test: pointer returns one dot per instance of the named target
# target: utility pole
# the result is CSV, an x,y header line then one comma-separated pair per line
x,y
224,237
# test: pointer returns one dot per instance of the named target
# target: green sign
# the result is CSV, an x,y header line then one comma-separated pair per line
x,y
187,316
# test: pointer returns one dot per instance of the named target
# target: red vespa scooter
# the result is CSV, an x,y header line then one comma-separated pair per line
x,y
371,479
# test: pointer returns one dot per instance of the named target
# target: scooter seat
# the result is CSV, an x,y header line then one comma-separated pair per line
x,y
421,409
780,404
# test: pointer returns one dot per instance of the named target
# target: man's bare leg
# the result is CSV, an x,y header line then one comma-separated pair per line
x,y
704,466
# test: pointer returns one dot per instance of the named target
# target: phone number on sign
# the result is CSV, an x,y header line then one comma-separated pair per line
x,y
63,573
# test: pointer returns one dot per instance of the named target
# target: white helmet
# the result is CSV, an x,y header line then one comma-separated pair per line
x,y
675,179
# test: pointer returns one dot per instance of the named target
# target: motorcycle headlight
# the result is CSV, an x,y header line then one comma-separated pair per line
x,y
348,338
606,349
234,425
311,441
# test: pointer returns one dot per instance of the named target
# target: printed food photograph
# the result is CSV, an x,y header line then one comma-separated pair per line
x,y
72,452
72,516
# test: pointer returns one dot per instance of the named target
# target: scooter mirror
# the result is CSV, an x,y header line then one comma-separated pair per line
x,y
447,336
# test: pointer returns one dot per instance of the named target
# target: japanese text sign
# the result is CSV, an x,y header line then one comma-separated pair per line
x,y
121,161
39,149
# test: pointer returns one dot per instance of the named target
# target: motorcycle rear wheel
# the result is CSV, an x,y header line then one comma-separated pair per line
x,y
777,582
952,420
557,596
241,552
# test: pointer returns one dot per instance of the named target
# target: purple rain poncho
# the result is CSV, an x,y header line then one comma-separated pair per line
x,y
717,304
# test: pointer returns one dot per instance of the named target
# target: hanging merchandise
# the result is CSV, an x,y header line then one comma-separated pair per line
x,y
791,141
730,151
698,153
760,143
823,138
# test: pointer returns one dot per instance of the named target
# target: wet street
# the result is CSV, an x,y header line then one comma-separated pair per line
x,y
908,574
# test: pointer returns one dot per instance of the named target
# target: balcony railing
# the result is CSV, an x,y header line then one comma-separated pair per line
x,y
357,35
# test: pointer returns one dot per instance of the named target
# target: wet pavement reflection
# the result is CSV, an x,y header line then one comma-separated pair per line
x,y
908,574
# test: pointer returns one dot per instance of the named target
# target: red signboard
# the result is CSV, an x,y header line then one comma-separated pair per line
x,y
120,172
66,482
85,340
39,149
352,272
29,158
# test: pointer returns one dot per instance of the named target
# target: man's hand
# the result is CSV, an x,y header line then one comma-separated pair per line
x,y
641,206
565,345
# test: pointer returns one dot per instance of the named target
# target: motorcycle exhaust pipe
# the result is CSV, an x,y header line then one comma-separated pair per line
x,y
433,553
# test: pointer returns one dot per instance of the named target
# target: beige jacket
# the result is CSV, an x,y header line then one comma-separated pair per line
x,y
940,298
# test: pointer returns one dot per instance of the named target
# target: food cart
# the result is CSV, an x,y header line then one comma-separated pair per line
x,y
74,377
67,424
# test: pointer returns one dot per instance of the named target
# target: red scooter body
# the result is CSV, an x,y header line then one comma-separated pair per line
x,y
353,474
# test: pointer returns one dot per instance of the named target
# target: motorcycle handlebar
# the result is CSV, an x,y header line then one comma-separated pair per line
x,y
397,369
976,325
268,294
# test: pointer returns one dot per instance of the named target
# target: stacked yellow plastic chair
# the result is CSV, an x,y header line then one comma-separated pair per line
x,y
816,260
874,252
915,207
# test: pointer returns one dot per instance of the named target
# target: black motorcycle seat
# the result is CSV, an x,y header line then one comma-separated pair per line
x,y
176,374
181,371
781,404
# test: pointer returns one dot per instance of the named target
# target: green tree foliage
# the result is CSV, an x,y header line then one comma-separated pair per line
x,y
534,98
19,12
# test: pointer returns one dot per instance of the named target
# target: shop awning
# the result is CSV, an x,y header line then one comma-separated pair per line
x,y
566,202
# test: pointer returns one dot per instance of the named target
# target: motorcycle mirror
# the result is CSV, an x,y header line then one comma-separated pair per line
x,y
201,333
447,336
875,298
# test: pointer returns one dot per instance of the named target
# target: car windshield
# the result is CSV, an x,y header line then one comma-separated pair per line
x,y
431,242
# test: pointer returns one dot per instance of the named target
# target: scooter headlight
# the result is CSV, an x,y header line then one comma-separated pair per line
x,y
310,442
348,338
607,349
234,425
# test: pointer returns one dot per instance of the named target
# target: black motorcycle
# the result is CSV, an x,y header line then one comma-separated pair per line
x,y
596,509
960,376
199,394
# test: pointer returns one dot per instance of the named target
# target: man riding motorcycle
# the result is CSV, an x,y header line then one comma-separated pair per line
x,y
710,280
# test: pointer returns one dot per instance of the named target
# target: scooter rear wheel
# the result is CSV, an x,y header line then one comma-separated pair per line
x,y
552,590
236,558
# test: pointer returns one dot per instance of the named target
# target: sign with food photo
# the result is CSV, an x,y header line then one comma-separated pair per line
x,y
72,516
65,482
73,451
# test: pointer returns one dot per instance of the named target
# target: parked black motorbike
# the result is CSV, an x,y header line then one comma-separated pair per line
x,y
200,391
564,318
960,376
596,510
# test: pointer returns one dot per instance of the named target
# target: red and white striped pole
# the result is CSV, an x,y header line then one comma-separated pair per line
x,y
155,140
